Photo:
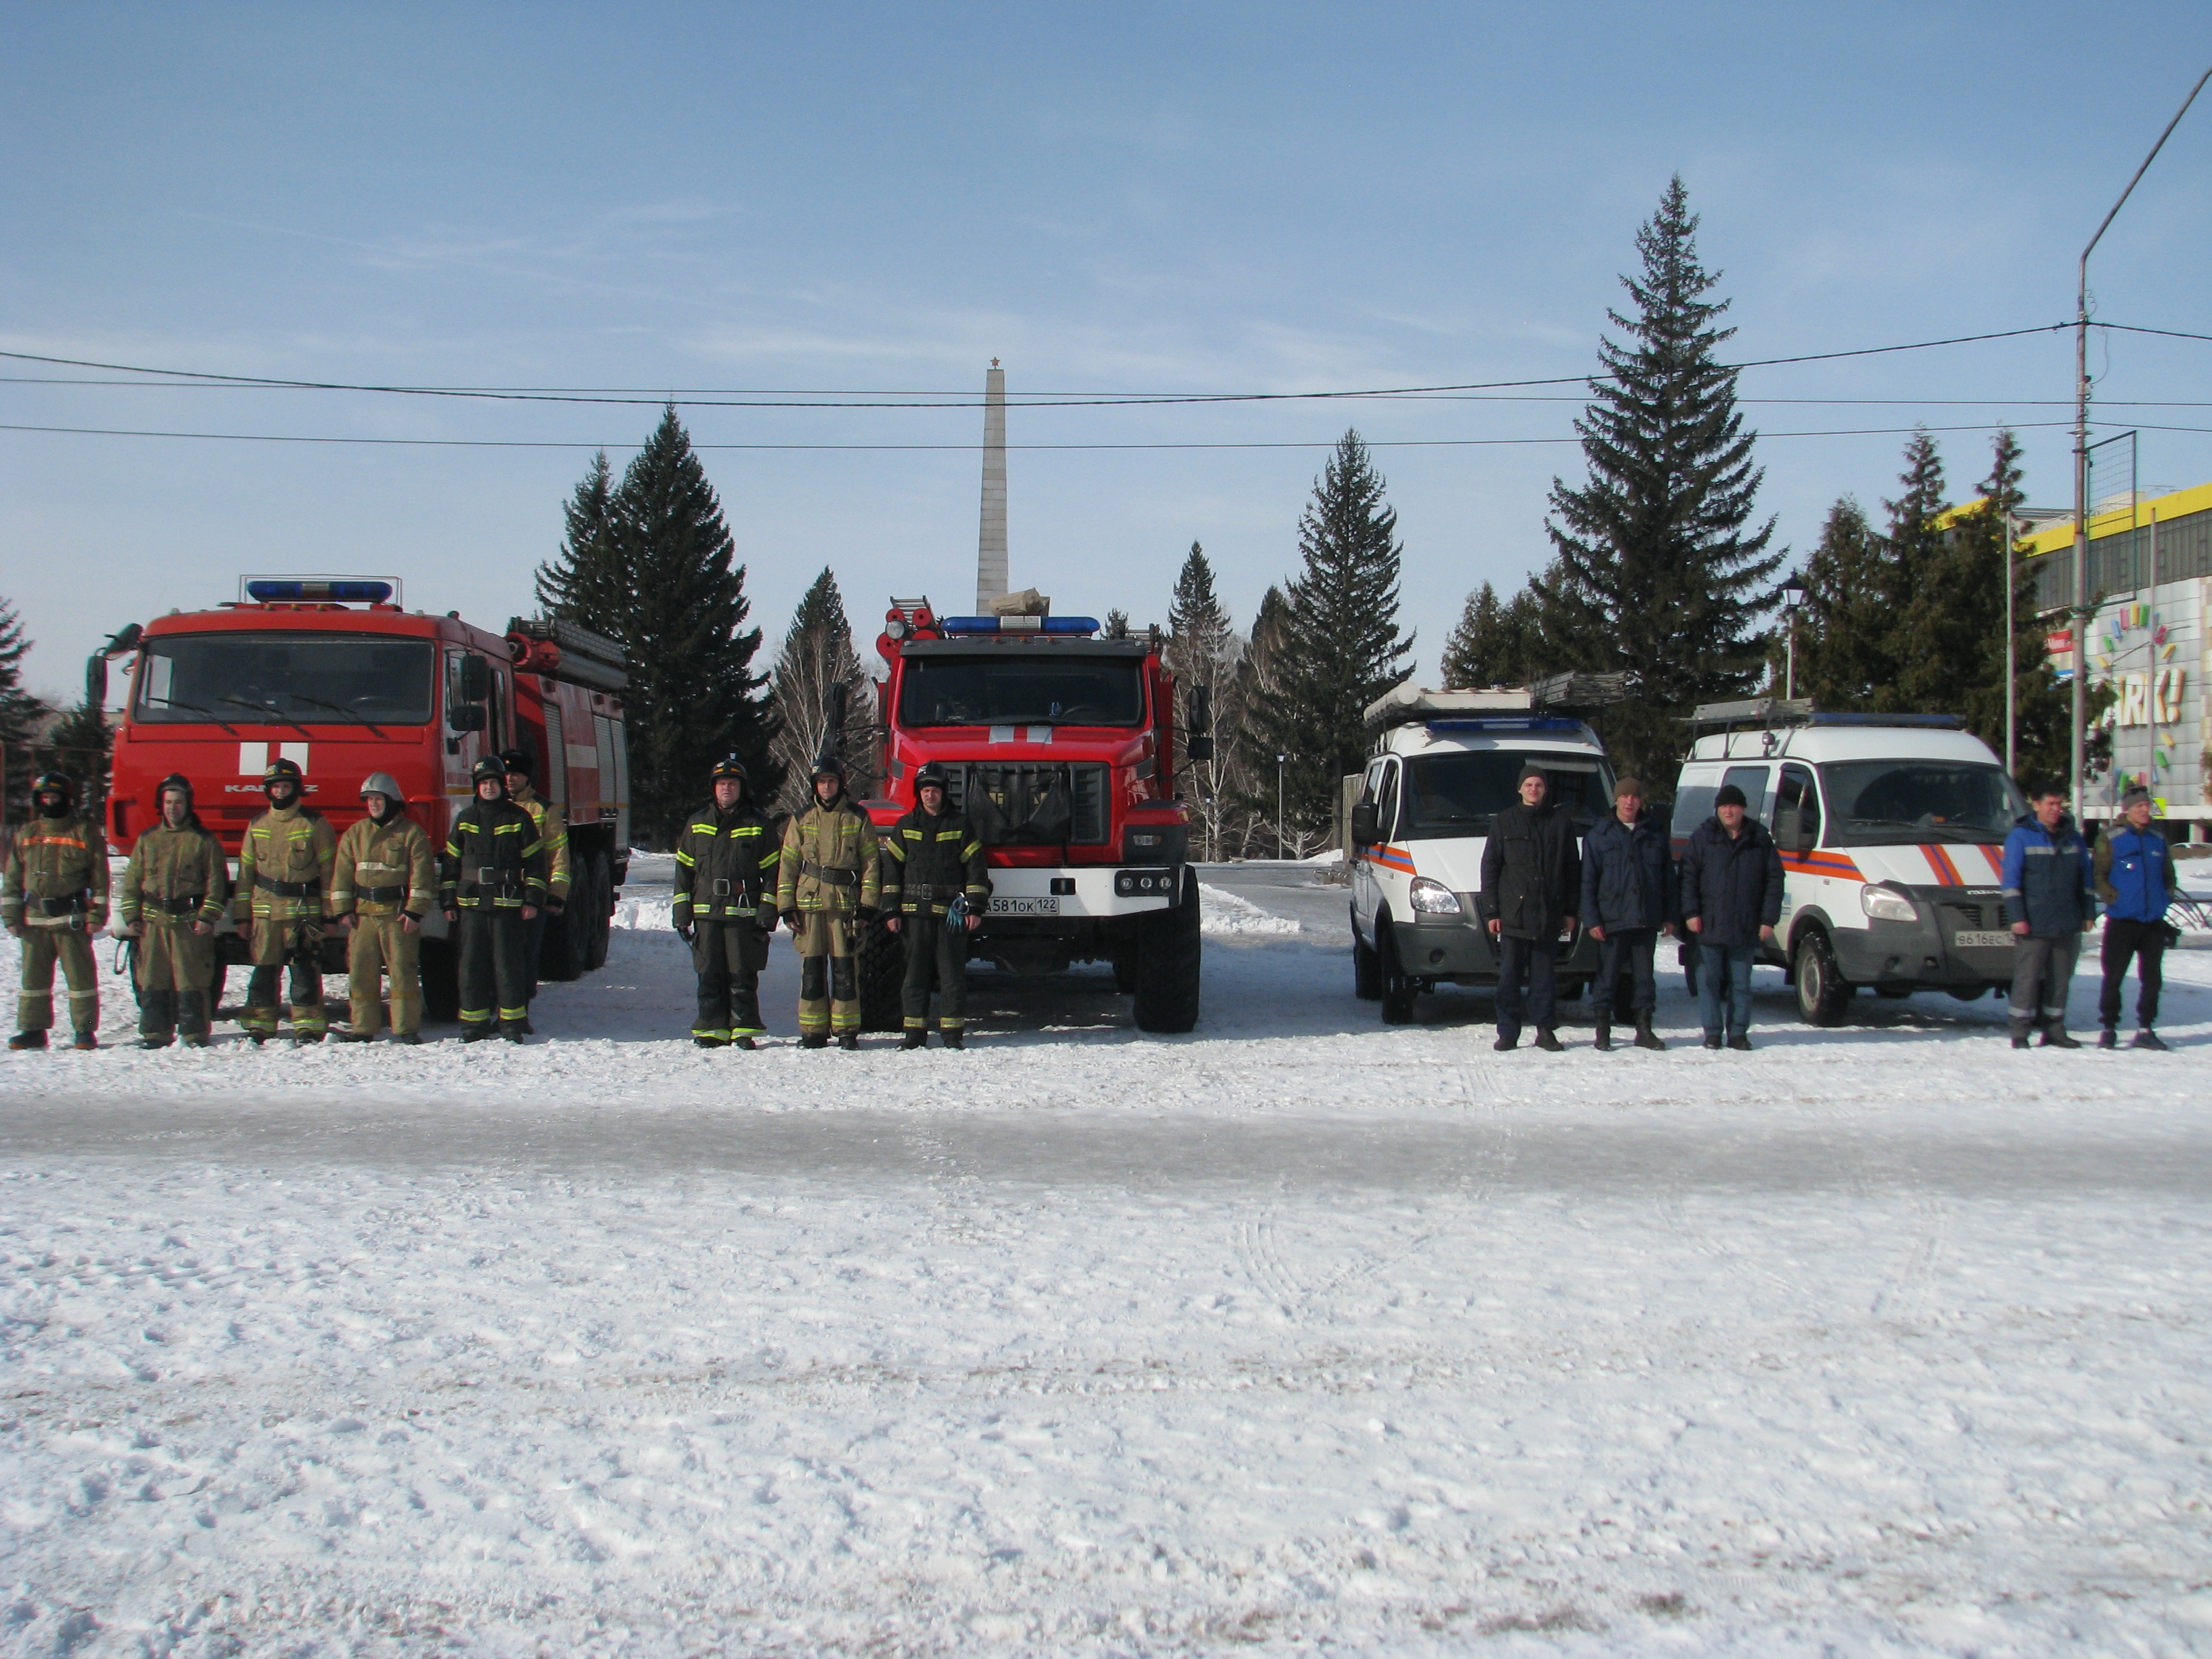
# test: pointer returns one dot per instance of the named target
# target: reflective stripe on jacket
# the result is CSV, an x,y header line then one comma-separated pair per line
x,y
383,869
170,868
285,862
725,865
2046,879
492,860
929,860
831,860
552,829
52,861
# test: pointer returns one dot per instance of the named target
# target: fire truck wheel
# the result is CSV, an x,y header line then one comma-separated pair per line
x,y
562,953
882,973
1168,956
599,910
441,981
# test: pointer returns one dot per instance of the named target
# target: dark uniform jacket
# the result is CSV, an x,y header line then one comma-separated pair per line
x,y
2135,874
725,866
931,861
1732,883
493,860
1532,871
56,867
175,876
2047,875
1628,876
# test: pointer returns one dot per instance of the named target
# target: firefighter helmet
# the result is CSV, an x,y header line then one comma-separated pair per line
x,y
175,781
54,783
931,773
492,767
283,770
829,766
729,767
384,784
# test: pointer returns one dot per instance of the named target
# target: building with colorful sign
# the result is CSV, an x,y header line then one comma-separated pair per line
x,y
2149,570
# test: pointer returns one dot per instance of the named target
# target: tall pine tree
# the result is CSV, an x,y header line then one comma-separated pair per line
x,y
1658,571
1495,643
1341,647
1249,824
652,565
817,656
1202,649
21,716
1846,630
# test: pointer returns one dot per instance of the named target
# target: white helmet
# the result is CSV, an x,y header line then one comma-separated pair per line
x,y
383,783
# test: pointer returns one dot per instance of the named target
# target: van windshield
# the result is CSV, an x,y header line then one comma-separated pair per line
x,y
264,678
1890,803
1458,793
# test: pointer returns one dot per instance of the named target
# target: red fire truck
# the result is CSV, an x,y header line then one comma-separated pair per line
x,y
1061,748
333,673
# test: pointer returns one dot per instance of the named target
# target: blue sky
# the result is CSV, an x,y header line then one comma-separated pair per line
x,y
1135,198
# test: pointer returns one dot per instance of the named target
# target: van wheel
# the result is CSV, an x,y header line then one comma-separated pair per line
x,y
1396,991
1822,991
1366,970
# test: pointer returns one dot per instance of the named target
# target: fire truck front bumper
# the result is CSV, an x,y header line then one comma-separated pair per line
x,y
1089,891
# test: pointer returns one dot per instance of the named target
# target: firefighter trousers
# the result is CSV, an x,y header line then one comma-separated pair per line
x,y
493,946
275,945
381,945
176,972
935,950
728,957
829,988
72,948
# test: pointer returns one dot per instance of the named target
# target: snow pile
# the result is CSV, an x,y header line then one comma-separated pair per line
x,y
1225,915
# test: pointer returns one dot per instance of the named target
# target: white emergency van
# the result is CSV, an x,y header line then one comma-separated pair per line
x,y
1892,831
1445,762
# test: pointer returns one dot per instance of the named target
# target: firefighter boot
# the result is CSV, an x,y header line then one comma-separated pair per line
x,y
28,1040
916,1038
741,1041
814,1040
848,1039
954,1037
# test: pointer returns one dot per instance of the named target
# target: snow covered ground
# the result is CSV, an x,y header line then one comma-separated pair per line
x,y
1294,1334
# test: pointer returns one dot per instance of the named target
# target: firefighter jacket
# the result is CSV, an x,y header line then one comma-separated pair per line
x,y
931,861
383,869
284,866
553,831
831,860
725,866
493,860
175,877
57,871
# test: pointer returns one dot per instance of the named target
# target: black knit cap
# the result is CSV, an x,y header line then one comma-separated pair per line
x,y
1730,796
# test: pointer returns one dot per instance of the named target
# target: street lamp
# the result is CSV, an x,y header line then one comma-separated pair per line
x,y
1282,845
1792,600
2081,451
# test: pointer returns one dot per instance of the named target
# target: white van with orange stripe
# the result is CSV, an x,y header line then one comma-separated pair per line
x,y
1891,828
1445,761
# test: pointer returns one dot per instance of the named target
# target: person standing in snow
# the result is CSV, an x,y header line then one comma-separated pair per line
x,y
53,898
387,882
491,880
2133,869
2049,903
1731,901
937,887
828,884
1629,899
1532,878
175,889
725,862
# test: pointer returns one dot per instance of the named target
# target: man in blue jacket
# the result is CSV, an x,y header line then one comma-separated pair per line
x,y
1731,900
1628,901
2049,905
2134,873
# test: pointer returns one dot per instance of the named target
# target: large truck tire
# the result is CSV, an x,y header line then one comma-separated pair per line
x,y
441,981
597,910
1169,953
563,952
881,971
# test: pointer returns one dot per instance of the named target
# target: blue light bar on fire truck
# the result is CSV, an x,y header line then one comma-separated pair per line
x,y
333,590
1019,624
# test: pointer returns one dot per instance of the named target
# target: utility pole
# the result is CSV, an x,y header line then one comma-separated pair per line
x,y
2081,454
1791,599
1282,843
2012,643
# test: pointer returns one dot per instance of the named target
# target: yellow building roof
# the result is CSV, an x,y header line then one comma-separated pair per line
x,y
2167,507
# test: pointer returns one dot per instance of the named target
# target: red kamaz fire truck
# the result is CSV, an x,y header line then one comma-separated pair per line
x,y
1061,748
332,673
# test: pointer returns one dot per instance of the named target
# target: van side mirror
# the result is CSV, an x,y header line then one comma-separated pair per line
x,y
1365,831
1197,742
468,717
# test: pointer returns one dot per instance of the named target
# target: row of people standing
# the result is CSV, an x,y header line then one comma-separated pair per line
x,y
1724,896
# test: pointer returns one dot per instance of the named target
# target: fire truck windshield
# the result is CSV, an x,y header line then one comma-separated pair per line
x,y
250,678
1021,691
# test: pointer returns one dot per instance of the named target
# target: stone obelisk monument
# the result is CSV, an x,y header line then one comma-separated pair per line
x,y
991,579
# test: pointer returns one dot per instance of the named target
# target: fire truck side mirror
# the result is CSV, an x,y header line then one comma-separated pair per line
x,y
474,683
1197,742
468,717
95,680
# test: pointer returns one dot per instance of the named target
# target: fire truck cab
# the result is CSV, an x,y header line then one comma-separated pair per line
x,y
335,675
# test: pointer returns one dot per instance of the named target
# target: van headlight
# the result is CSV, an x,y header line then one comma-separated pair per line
x,y
1886,904
1432,898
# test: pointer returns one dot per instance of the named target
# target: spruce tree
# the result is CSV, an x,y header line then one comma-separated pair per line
x,y
1846,630
1117,625
1258,685
1930,633
1202,650
21,716
1341,647
817,656
652,565
1495,643
80,744
1658,573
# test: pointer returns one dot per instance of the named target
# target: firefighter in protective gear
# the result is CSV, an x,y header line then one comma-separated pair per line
x,y
935,887
284,870
826,889
553,831
725,862
387,880
53,898
490,882
175,889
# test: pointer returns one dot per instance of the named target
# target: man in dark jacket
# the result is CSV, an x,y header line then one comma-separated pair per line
x,y
1629,899
2049,904
724,909
1532,878
2135,877
1731,900
937,888
491,881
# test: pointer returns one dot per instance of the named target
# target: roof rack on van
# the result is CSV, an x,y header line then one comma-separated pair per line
x,y
1409,704
1755,713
